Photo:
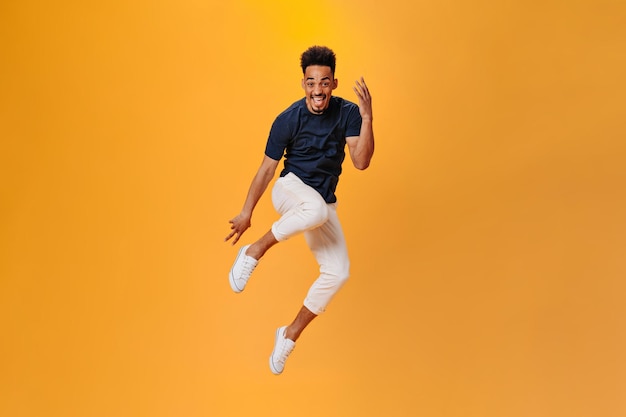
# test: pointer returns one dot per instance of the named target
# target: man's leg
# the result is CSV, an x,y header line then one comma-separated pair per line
x,y
304,317
285,340
258,248
328,244
301,208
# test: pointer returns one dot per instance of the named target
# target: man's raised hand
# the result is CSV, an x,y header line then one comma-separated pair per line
x,y
365,100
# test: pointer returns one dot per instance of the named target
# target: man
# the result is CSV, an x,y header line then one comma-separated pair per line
x,y
311,134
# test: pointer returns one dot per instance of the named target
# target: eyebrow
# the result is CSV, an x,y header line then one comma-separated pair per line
x,y
311,78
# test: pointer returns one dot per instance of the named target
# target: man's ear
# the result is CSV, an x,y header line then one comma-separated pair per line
x,y
335,83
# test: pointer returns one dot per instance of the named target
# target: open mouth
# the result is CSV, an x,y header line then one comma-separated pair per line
x,y
319,100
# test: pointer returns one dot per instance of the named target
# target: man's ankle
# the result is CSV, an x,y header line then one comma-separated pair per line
x,y
253,252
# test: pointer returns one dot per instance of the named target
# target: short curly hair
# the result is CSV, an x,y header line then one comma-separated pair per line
x,y
318,55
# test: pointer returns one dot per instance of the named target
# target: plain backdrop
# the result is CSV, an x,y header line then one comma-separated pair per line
x,y
487,238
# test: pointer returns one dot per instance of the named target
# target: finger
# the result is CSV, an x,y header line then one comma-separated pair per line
x,y
361,89
358,89
363,101
358,86
363,85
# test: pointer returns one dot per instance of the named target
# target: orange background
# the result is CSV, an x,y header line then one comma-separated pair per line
x,y
487,238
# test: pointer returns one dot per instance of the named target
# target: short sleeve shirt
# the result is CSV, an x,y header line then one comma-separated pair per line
x,y
314,144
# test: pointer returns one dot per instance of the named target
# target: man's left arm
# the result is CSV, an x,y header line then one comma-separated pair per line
x,y
362,147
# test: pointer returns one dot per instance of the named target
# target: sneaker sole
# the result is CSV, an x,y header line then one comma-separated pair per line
x,y
231,278
274,370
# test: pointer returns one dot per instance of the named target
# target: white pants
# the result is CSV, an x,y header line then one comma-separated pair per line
x,y
303,210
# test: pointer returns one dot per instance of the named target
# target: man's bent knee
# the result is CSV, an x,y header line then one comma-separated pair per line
x,y
314,213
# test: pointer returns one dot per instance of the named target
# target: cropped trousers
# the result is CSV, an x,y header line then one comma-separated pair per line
x,y
303,210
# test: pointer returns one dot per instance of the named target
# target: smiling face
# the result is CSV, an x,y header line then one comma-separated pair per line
x,y
318,83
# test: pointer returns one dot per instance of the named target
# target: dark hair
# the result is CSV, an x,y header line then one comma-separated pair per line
x,y
318,55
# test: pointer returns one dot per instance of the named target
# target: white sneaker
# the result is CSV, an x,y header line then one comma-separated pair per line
x,y
282,349
241,270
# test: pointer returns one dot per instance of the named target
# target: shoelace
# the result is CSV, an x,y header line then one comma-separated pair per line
x,y
284,351
247,268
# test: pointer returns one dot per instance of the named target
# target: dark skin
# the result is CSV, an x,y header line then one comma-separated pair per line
x,y
318,83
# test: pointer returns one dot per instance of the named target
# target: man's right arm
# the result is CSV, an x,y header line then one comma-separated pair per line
x,y
241,222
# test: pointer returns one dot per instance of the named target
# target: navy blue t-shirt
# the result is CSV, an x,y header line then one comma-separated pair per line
x,y
314,144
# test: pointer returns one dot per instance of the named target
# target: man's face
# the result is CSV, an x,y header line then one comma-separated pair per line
x,y
318,84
